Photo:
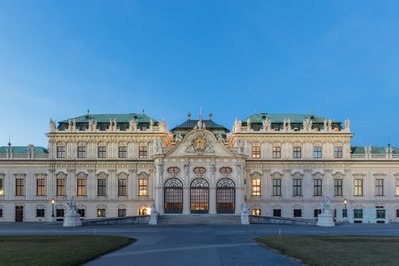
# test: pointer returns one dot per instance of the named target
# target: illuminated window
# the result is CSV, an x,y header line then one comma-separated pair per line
x,y
40,187
338,152
102,187
122,151
142,151
102,152
255,151
81,187
1,187
256,212
358,187
19,187
317,152
81,151
379,187
100,212
143,187
61,151
122,187
297,152
276,152
317,187
256,187
276,187
60,186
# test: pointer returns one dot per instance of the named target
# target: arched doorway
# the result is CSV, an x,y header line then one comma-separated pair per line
x,y
199,196
173,196
225,196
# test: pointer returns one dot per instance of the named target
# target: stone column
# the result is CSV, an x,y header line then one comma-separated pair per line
x,y
51,184
186,199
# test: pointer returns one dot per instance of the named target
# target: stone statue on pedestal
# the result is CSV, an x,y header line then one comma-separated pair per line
x,y
72,218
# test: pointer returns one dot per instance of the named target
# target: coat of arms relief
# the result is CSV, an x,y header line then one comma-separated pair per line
x,y
199,144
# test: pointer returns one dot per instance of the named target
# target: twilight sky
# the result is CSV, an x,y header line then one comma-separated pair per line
x,y
338,59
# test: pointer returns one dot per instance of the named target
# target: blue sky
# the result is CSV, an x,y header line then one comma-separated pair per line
x,y
338,59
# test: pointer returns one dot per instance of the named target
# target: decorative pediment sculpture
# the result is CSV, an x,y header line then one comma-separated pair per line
x,y
199,144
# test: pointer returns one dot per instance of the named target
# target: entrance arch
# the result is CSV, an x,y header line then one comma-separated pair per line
x,y
199,196
173,196
225,196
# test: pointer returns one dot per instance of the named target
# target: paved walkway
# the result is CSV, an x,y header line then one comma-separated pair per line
x,y
198,244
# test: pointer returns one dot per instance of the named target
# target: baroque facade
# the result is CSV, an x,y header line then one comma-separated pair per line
x,y
119,165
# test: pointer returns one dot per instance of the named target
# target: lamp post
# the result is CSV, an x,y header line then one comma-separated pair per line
x,y
52,208
345,214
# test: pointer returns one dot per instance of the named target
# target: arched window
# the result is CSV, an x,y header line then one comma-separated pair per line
x,y
225,196
173,196
199,195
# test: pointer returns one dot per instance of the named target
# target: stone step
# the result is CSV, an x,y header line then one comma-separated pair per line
x,y
199,219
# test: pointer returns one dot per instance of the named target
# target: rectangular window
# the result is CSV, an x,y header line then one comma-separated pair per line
x,y
276,152
379,187
100,212
39,212
277,212
297,212
317,187
61,151
122,151
59,212
81,151
337,187
102,152
81,187
316,213
143,186
1,187
122,187
40,187
121,212
358,213
297,153
82,212
1,212
142,151
396,187
102,187
358,187
19,187
256,187
297,187
338,152
397,213
380,214
60,186
317,152
255,151
276,187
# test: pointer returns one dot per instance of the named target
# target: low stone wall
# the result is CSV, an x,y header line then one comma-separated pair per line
x,y
118,220
279,220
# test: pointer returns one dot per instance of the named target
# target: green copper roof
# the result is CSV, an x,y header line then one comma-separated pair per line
x,y
209,124
374,150
279,118
105,118
23,149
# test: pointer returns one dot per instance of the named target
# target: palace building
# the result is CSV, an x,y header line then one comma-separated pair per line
x,y
118,165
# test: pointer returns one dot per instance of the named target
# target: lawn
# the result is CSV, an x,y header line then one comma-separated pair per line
x,y
337,250
56,250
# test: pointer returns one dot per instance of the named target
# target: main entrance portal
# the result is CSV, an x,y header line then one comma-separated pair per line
x,y
173,196
225,196
199,196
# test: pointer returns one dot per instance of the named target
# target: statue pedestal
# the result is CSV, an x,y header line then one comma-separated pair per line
x,y
325,220
244,218
153,218
72,219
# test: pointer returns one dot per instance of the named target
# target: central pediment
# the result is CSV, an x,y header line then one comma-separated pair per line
x,y
199,142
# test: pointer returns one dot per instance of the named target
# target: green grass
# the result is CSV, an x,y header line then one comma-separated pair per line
x,y
56,250
337,250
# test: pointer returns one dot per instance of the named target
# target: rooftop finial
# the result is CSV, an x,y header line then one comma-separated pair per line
x,y
9,140
143,111
88,111
188,115
210,115
200,114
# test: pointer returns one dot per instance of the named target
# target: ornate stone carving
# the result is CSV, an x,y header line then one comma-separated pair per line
x,y
199,144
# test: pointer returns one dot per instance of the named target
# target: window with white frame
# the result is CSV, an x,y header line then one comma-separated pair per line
x,y
317,152
358,187
122,151
276,152
338,187
143,151
40,187
255,151
338,152
297,187
379,187
61,151
297,152
276,186
102,152
317,187
81,187
81,151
